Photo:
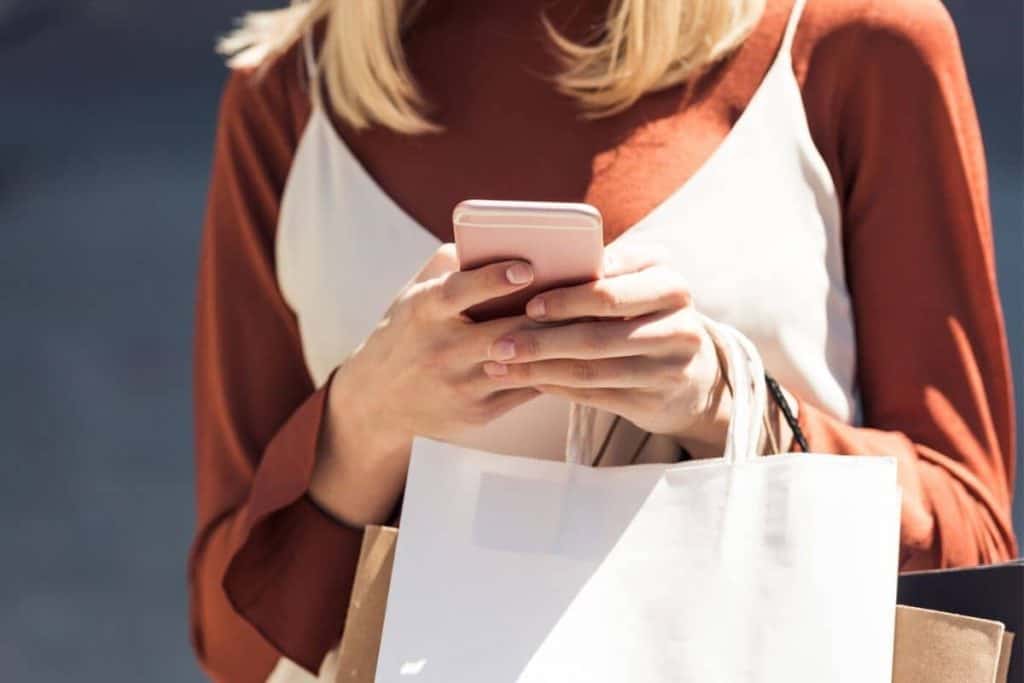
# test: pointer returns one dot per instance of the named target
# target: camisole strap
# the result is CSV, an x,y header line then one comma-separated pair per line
x,y
312,67
786,49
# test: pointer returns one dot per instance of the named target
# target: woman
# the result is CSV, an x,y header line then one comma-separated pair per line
x,y
811,175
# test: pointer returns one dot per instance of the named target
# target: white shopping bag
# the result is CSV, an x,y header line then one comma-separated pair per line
x,y
744,568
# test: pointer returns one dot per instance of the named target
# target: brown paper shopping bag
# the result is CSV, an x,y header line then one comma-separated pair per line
x,y
1003,672
357,655
938,647
993,592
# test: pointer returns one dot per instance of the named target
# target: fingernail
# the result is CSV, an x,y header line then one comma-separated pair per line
x,y
536,308
519,273
495,369
503,349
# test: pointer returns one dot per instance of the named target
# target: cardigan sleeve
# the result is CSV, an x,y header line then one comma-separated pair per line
x,y
269,573
891,109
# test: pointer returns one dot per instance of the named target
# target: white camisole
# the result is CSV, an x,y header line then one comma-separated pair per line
x,y
756,233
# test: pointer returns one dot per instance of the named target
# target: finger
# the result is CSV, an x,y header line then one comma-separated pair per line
x,y
471,343
646,291
658,335
457,291
628,257
612,373
501,402
619,401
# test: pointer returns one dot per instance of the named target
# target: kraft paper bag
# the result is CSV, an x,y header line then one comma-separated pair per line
x,y
1003,672
994,592
357,654
742,569
919,633
938,647
930,646
355,657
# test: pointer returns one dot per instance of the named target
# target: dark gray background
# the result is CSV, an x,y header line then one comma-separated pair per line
x,y
106,120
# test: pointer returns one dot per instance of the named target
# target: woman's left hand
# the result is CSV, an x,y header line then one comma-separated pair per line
x,y
640,351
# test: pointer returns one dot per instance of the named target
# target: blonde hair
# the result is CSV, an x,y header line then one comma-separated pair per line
x,y
643,46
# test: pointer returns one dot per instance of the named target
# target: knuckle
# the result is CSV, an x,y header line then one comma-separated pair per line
x,y
402,308
414,291
679,297
674,332
527,346
464,395
583,372
521,371
584,395
447,292
595,339
480,414
416,308
606,297
673,374
686,336
494,408
660,340
417,301
436,356
443,260
446,254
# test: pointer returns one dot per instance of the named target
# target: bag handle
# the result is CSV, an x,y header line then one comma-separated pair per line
x,y
745,373
579,440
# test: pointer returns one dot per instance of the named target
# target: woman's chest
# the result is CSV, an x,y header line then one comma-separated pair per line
x,y
507,133
541,159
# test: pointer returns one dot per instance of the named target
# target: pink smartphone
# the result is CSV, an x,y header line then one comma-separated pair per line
x,y
564,242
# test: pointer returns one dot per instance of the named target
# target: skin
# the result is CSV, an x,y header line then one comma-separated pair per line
x,y
641,352
630,343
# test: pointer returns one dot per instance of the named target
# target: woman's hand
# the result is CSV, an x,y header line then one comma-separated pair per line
x,y
640,351
419,373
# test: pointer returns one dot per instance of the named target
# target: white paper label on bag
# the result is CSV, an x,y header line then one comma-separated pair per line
x,y
537,505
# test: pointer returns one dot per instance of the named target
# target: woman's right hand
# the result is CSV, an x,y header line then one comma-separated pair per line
x,y
419,373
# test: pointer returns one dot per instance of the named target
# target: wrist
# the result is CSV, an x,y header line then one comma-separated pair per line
x,y
705,436
354,417
360,468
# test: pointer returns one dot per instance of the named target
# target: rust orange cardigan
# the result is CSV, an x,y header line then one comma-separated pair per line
x,y
890,110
